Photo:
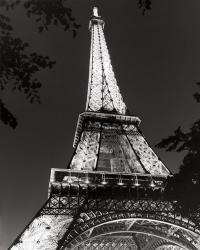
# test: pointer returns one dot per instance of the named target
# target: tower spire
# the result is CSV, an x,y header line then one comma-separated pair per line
x,y
103,92
95,12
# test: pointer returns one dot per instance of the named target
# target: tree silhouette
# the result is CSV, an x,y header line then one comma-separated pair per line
x,y
17,66
144,5
185,186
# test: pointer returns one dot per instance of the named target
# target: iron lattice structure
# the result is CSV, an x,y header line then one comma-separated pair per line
x,y
112,195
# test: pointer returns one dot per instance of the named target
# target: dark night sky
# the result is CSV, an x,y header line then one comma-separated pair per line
x,y
156,59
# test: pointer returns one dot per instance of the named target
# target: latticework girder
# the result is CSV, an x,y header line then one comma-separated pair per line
x,y
109,242
103,91
115,145
133,242
169,247
112,196
149,242
66,222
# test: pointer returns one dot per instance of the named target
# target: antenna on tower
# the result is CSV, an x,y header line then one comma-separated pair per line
x,y
95,12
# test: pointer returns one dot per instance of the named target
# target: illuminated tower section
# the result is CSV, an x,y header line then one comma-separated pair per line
x,y
103,91
106,138
112,194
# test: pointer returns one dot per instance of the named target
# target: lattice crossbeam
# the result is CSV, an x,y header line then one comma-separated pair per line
x,y
109,243
70,220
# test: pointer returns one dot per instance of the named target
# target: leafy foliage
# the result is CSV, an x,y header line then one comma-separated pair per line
x,y
6,117
197,95
186,184
49,12
46,13
144,5
18,67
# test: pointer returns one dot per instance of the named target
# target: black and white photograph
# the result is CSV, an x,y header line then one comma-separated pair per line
x,y
99,125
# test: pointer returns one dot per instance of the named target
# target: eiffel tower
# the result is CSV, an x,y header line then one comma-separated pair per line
x,y
112,195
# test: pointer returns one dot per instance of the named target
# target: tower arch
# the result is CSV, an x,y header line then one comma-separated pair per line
x,y
112,194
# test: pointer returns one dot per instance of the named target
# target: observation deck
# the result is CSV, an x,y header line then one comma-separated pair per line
x,y
63,180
